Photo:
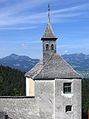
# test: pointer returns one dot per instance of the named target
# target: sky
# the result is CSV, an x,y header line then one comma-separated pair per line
x,y
23,22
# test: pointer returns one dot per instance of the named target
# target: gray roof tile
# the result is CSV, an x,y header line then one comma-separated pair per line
x,y
49,32
56,67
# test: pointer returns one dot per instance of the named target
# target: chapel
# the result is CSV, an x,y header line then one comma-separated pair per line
x,y
53,78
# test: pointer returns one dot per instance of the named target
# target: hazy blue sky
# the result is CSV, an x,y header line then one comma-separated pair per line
x,y
22,24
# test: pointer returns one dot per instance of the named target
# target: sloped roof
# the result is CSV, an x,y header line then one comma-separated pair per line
x,y
49,32
55,67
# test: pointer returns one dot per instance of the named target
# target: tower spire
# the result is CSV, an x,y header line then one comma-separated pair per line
x,y
49,13
49,33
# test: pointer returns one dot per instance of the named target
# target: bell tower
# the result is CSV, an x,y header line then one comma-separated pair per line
x,y
49,40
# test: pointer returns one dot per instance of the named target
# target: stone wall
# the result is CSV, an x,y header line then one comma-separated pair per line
x,y
49,101
39,107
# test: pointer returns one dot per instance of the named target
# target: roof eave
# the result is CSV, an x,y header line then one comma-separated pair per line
x,y
47,38
57,78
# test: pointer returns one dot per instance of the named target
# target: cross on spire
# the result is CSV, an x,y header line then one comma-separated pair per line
x,y
49,33
49,13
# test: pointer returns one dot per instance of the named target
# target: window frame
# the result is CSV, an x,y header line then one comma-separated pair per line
x,y
68,108
52,46
67,87
47,47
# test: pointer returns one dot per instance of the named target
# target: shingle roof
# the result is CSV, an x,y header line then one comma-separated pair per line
x,y
49,32
55,67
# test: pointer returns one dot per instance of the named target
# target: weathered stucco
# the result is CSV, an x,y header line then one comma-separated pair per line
x,y
49,102
40,107
74,99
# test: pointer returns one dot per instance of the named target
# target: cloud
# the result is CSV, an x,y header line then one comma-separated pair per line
x,y
2,1
73,46
66,51
20,6
15,16
71,9
24,45
18,28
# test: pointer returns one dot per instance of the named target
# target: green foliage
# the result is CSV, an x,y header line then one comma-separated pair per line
x,y
85,97
12,82
85,74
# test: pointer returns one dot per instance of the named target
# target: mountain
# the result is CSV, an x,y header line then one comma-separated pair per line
x,y
23,63
80,62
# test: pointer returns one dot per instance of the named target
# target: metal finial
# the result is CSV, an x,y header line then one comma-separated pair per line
x,y
48,12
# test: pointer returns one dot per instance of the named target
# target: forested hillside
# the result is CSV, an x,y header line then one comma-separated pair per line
x,y
12,82
85,97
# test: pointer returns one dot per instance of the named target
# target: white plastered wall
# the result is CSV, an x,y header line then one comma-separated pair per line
x,y
30,87
74,99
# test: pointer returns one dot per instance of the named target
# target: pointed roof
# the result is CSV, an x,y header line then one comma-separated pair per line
x,y
54,68
49,33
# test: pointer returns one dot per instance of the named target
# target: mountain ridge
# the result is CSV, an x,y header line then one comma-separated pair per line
x,y
20,62
79,62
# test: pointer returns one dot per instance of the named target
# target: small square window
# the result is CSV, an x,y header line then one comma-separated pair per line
x,y
68,108
67,88
6,116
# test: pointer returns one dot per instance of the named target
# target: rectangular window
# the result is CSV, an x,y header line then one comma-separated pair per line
x,y
6,116
67,88
68,108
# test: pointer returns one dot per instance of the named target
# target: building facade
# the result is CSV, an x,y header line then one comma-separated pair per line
x,y
53,87
64,81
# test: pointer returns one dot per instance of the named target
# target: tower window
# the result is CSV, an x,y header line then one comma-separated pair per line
x,y
52,47
47,47
68,108
67,88
6,116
